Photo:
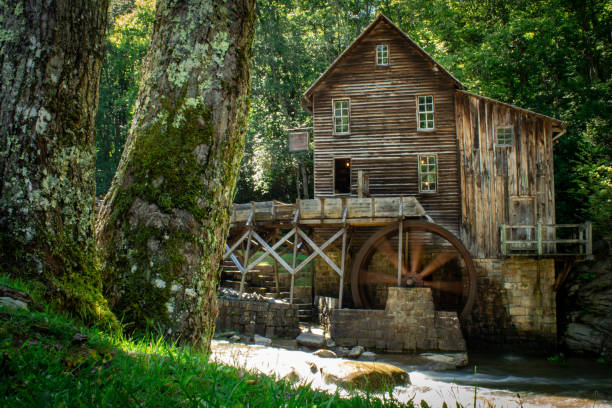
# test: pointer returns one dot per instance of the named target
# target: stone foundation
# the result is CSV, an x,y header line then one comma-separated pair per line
x,y
515,304
409,323
270,319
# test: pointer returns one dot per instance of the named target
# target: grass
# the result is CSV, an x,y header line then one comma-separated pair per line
x,y
43,365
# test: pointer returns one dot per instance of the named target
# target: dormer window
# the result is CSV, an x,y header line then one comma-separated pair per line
x,y
341,116
382,54
425,112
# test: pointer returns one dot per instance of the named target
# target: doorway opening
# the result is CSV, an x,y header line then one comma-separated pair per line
x,y
342,176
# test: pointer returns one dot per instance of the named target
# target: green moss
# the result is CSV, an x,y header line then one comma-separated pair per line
x,y
165,173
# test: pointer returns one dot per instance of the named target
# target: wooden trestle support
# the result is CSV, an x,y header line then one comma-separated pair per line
x,y
417,248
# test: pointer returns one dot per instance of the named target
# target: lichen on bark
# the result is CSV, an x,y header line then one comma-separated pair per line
x,y
50,62
164,222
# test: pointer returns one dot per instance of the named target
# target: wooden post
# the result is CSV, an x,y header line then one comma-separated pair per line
x,y
296,242
539,239
360,183
400,261
275,268
589,239
342,258
246,262
502,233
312,281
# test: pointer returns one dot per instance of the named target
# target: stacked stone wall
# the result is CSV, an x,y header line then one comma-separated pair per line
x,y
409,323
270,319
515,305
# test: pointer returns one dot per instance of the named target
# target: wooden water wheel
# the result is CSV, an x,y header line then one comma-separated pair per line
x,y
431,256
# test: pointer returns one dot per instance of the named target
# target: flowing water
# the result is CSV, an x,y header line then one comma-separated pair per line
x,y
513,380
492,380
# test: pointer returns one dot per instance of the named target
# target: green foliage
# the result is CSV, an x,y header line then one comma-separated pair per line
x,y
128,37
42,365
551,56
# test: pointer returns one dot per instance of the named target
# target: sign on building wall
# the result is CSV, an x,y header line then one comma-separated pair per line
x,y
298,140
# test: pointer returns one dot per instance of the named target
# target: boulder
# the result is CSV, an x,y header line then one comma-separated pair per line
x,y
445,361
367,356
323,353
330,343
367,376
311,340
342,351
261,340
586,299
234,338
225,335
355,352
14,304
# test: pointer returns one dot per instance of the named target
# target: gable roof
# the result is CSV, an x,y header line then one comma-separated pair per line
x,y
307,103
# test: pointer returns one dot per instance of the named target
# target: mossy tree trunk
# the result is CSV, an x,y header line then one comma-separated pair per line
x,y
50,63
164,222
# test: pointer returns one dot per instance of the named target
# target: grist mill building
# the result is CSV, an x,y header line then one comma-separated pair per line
x,y
419,182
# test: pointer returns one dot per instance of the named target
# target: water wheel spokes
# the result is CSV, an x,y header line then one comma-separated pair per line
x,y
431,256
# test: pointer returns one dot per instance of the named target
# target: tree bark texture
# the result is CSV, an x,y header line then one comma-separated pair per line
x,y
50,63
164,222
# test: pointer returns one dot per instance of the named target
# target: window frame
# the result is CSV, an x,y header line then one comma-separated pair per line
x,y
433,112
348,132
388,55
512,136
435,173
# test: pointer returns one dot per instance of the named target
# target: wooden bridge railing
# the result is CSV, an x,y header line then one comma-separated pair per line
x,y
547,240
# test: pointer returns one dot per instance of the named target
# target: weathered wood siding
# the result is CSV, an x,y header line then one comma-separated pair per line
x,y
384,141
499,185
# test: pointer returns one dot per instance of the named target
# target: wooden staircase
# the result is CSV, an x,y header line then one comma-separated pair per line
x,y
261,280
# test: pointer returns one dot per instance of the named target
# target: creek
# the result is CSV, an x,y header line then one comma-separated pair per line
x,y
500,380
511,380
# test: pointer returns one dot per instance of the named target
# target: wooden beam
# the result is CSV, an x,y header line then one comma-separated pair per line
x,y
319,251
272,250
231,249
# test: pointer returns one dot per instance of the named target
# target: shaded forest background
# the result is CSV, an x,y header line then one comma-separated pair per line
x,y
550,56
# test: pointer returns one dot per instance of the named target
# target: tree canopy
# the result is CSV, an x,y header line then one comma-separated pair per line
x,y
551,56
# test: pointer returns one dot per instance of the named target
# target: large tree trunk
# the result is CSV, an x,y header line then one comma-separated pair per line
x,y
50,62
164,223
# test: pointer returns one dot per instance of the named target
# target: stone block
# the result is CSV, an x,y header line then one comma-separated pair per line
x,y
395,345
345,341
409,342
366,342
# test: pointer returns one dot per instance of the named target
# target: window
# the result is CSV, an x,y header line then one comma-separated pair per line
x,y
382,54
428,174
342,176
504,136
425,112
341,116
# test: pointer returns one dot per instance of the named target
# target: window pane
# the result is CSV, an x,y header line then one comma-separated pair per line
x,y
428,173
426,112
505,136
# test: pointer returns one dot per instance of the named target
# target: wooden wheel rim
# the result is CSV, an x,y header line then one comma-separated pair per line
x,y
357,290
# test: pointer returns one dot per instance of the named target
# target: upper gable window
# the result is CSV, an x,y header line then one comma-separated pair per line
x,y
504,136
382,54
425,110
341,116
